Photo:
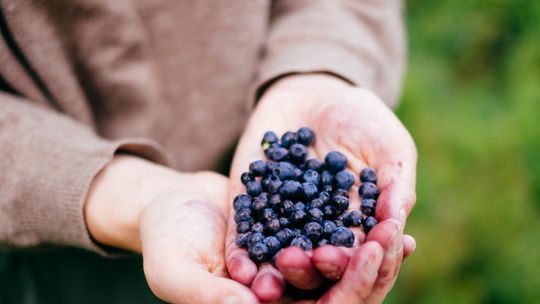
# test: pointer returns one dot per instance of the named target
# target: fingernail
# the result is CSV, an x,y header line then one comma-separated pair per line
x,y
295,273
331,271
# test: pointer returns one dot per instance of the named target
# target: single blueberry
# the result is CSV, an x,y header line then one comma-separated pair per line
x,y
272,226
341,192
268,214
268,152
242,201
368,190
313,164
311,176
355,218
310,191
303,242
344,180
258,253
263,196
340,202
273,244
368,175
257,227
297,153
288,138
299,206
269,138
369,223
290,189
297,232
298,173
285,236
255,238
339,223
344,218
306,136
368,206
243,215
342,237
259,205
323,242
328,228
286,208
298,217
241,239
253,188
284,222
246,177
258,168
327,178
313,230
335,161
324,196
284,171
275,201
243,227
317,203
327,188
316,215
328,211
265,183
279,154
273,186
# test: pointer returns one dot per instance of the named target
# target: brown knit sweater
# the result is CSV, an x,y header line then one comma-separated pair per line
x,y
173,81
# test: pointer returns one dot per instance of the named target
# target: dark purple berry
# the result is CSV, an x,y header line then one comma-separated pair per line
x,y
272,226
286,208
279,154
340,202
290,189
324,196
258,253
253,188
259,205
306,136
303,242
317,203
369,223
242,201
316,215
342,237
328,228
288,138
368,206
341,192
297,153
313,164
273,186
284,222
268,152
310,191
268,214
246,177
323,242
243,215
298,173
255,238
368,190
285,236
269,138
312,176
257,227
241,239
275,201
313,230
258,168
327,178
273,244
328,211
335,161
298,217
355,218
284,171
344,180
368,175
300,206
243,227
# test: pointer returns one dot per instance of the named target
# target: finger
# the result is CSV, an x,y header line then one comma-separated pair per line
x,y
388,235
241,268
296,267
331,261
269,284
409,245
189,283
357,281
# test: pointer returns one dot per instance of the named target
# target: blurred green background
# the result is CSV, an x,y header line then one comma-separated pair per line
x,y
472,103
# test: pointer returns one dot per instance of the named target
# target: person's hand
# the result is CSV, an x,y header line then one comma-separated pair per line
x,y
358,124
177,221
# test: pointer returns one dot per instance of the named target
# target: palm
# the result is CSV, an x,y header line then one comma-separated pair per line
x,y
357,124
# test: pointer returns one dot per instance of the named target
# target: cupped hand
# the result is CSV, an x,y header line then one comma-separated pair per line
x,y
358,124
176,220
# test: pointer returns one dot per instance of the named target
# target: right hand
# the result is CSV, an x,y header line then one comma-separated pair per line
x,y
176,220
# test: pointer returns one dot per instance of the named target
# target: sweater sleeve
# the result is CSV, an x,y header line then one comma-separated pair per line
x,y
47,163
360,41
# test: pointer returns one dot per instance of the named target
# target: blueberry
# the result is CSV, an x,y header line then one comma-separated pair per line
x,y
255,238
268,152
259,205
273,186
241,239
279,154
243,227
340,202
285,236
253,188
303,242
310,190
324,196
300,206
263,196
328,211
298,173
313,164
316,215
341,192
355,218
272,226
288,138
257,227
297,153
284,222
368,190
297,232
275,201
306,136
323,242
327,178
368,206
335,161
258,253
342,237
369,223
242,201
311,176
258,168
286,208
269,138
290,189
268,214
368,175
284,171
243,215
273,244
265,183
313,230
339,223
344,218
246,177
327,188
298,217
328,228
317,203
344,180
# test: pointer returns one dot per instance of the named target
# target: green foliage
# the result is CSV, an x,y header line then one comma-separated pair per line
x,y
472,103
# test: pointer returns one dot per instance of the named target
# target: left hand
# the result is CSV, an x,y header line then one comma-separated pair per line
x,y
358,124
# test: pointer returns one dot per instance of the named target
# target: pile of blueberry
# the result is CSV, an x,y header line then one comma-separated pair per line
x,y
295,201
